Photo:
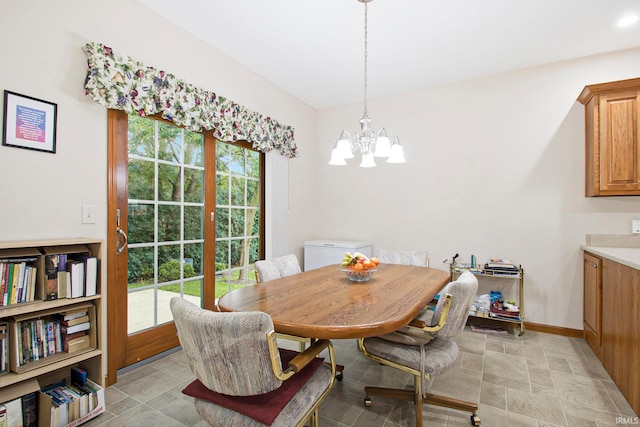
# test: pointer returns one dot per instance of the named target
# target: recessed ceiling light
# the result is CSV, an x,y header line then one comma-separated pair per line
x,y
627,20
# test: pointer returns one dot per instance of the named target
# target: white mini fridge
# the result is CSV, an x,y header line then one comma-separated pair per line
x,y
318,253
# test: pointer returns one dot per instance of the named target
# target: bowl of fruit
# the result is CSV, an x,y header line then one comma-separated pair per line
x,y
358,267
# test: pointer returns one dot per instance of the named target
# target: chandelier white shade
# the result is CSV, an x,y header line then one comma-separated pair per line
x,y
369,142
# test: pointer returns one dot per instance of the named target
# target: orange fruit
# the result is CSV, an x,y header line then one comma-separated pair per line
x,y
374,261
358,267
368,264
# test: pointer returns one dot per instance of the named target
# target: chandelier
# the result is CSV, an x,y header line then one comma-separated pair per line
x,y
369,142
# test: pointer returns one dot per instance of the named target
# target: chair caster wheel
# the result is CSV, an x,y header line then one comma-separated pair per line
x,y
339,376
367,401
475,420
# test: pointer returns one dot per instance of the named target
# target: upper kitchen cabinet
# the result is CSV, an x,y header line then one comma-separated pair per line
x,y
612,148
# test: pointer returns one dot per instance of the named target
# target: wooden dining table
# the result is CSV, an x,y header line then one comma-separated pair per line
x,y
324,304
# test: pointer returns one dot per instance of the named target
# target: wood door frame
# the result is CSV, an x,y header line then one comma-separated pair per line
x,y
117,174
117,180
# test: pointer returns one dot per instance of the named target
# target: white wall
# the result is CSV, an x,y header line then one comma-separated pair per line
x,y
495,169
41,194
496,165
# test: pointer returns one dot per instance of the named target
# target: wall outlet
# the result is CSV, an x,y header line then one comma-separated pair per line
x,y
635,226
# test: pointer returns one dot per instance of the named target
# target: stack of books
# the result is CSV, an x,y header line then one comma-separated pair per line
x,y
36,339
71,275
17,280
72,404
75,327
499,266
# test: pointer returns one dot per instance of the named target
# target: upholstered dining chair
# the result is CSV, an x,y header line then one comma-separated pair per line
x,y
240,379
270,269
286,265
427,350
417,258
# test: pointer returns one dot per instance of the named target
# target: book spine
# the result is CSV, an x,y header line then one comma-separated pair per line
x,y
51,340
34,283
59,337
3,283
29,410
52,265
21,282
75,328
14,283
3,351
20,340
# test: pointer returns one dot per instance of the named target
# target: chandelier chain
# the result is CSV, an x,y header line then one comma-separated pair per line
x,y
370,142
365,58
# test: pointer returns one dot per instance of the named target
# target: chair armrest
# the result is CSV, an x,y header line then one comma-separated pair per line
x,y
301,360
417,324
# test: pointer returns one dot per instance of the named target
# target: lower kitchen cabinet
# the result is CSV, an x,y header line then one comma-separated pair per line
x,y
612,321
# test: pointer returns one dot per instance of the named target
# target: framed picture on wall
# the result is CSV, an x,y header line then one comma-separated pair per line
x,y
29,123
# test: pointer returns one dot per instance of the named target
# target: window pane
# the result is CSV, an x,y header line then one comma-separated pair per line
x,y
254,253
193,222
253,164
235,252
194,147
237,191
222,255
141,179
236,161
141,310
253,193
168,263
253,222
222,190
169,142
169,183
141,137
193,185
166,170
193,260
140,223
237,222
222,223
168,223
140,267
223,157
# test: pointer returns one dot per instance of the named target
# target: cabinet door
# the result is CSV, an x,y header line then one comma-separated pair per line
x,y
621,328
619,148
593,302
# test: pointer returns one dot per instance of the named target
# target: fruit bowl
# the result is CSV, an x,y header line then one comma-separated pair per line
x,y
359,275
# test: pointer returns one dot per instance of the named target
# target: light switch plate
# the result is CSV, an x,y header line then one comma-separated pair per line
x,y
88,214
635,226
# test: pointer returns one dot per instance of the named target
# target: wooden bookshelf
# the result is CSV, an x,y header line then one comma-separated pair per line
x,y
19,379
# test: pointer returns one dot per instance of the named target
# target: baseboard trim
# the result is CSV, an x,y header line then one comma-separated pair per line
x,y
557,330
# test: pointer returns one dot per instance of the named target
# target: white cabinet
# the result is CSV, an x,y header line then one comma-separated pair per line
x,y
318,253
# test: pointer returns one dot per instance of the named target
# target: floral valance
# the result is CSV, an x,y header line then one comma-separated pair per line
x,y
118,82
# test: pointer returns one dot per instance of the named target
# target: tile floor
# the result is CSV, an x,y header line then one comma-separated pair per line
x,y
538,380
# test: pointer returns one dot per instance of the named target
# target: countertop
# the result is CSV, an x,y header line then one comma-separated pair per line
x,y
626,256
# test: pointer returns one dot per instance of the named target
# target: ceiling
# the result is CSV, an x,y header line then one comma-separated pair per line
x,y
315,49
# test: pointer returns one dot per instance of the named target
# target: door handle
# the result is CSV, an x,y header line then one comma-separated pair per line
x,y
120,233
